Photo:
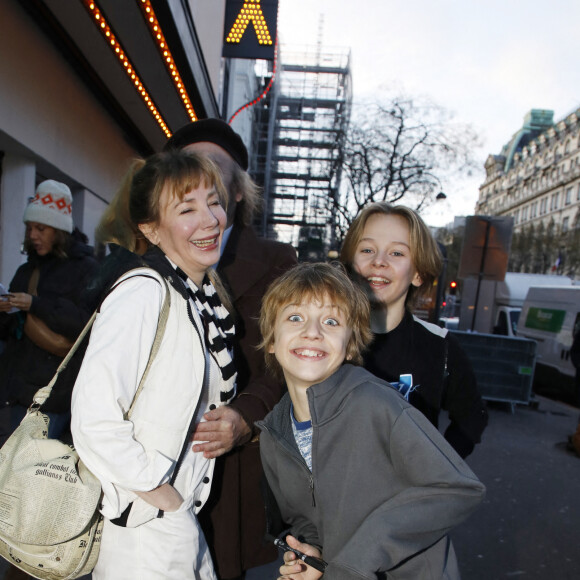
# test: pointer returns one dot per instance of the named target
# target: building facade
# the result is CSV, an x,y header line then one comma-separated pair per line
x,y
536,180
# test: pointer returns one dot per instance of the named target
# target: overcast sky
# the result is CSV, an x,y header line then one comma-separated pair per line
x,y
489,62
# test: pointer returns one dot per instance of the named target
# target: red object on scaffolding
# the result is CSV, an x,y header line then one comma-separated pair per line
x,y
264,92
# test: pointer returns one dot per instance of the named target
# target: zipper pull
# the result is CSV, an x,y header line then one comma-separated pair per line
x,y
312,490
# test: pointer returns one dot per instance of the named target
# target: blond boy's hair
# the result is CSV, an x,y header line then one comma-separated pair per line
x,y
318,281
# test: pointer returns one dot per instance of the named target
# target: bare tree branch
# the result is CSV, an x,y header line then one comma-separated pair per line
x,y
401,150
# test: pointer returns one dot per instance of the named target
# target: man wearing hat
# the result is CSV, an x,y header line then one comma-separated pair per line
x,y
233,519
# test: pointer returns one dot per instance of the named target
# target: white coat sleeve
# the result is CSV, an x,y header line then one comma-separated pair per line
x,y
115,360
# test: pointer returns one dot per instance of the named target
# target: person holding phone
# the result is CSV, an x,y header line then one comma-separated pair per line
x,y
48,287
362,478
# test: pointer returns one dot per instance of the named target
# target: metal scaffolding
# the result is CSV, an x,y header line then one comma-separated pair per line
x,y
298,150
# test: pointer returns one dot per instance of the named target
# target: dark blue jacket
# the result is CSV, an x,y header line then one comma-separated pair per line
x,y
24,367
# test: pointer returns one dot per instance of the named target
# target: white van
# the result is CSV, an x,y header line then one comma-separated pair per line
x,y
549,316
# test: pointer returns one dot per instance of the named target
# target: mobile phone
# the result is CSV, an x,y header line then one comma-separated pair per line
x,y
316,563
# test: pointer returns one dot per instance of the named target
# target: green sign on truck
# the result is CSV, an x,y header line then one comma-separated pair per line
x,y
545,319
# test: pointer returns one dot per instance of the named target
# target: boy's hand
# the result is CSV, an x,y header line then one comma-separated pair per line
x,y
293,567
222,430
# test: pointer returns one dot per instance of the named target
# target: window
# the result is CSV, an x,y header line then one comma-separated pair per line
x,y
565,224
568,196
578,194
543,205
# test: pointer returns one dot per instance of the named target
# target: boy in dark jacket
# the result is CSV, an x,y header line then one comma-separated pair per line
x,y
362,478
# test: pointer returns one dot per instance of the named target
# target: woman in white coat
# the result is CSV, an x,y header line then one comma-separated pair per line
x,y
153,483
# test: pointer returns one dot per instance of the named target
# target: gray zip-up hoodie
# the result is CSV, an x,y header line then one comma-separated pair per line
x,y
385,486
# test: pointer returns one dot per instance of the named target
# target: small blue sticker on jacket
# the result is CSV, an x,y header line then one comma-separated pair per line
x,y
405,385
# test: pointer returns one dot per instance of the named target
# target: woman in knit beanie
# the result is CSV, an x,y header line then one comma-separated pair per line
x,y
48,286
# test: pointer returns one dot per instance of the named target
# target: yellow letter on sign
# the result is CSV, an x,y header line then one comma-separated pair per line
x,y
251,12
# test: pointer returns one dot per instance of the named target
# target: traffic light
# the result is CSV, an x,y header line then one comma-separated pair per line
x,y
453,288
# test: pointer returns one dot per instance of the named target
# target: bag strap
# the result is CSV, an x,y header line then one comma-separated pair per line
x,y
43,393
33,282
161,324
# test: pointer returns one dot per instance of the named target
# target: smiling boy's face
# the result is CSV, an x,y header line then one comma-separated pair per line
x,y
310,341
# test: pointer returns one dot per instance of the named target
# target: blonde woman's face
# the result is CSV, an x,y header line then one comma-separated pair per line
x,y
190,231
383,259
226,164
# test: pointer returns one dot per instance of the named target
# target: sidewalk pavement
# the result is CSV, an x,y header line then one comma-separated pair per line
x,y
527,527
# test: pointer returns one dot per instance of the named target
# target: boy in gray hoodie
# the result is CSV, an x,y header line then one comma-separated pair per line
x,y
367,485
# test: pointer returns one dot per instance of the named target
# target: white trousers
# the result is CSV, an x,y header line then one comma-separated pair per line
x,y
172,547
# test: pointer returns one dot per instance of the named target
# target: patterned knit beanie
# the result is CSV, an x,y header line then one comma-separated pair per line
x,y
52,206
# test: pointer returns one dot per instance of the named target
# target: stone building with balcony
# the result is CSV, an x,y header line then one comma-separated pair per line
x,y
536,180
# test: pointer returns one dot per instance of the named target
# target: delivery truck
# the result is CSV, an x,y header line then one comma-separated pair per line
x,y
499,303
551,316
